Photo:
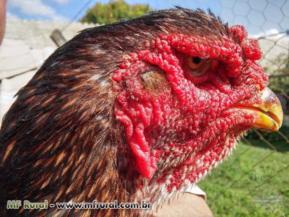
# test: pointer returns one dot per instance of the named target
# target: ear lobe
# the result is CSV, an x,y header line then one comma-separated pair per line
x,y
145,160
152,80
136,113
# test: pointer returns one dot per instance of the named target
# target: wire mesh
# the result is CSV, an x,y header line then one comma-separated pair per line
x,y
268,22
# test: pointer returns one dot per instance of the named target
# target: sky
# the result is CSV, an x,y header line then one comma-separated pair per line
x,y
259,16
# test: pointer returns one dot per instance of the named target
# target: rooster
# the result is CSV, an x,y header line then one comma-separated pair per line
x,y
133,111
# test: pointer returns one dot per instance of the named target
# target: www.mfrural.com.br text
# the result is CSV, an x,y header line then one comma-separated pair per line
x,y
26,204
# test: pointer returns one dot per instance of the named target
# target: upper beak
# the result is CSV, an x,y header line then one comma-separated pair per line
x,y
268,112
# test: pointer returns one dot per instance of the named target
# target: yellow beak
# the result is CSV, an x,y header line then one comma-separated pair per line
x,y
268,113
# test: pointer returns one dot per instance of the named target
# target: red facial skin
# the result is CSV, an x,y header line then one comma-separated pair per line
x,y
193,126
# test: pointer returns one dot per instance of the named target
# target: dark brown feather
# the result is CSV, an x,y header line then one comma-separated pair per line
x,y
59,140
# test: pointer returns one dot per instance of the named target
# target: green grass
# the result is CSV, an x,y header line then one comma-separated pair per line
x,y
250,183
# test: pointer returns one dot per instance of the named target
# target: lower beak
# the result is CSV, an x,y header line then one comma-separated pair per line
x,y
268,112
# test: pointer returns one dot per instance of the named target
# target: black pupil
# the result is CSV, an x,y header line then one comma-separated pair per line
x,y
197,60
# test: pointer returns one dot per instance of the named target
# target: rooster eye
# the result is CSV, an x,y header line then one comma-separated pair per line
x,y
198,66
195,62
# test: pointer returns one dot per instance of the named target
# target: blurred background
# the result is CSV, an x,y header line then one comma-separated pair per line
x,y
254,181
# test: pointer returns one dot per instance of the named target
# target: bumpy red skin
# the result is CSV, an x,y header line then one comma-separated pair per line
x,y
194,118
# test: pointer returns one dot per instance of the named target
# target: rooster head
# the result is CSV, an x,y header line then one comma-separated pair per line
x,y
188,94
156,102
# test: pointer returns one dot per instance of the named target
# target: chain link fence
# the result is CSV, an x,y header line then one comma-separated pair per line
x,y
254,181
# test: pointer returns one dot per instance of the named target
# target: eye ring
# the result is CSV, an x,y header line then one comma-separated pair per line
x,y
195,62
